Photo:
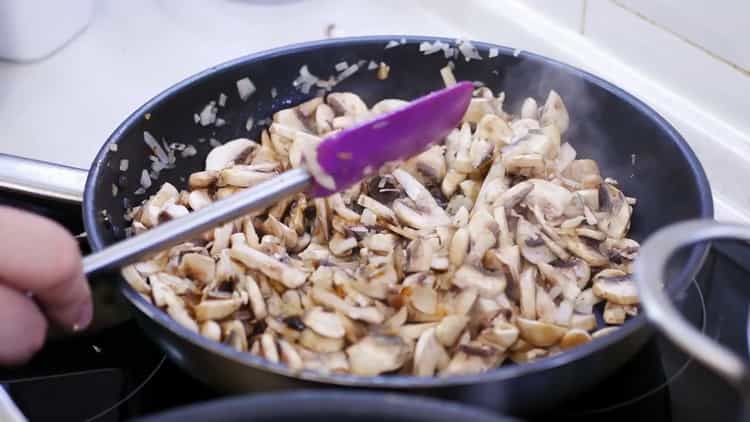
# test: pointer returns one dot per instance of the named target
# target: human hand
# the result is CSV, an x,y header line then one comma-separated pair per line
x,y
40,277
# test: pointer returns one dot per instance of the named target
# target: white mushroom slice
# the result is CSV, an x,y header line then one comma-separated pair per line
x,y
376,354
459,247
411,332
472,359
387,105
423,299
336,203
198,199
618,211
419,254
590,233
429,354
425,213
221,238
529,239
616,286
522,127
555,112
288,355
451,181
211,330
480,107
243,176
540,334
341,246
377,208
529,109
331,300
335,362
585,301
603,332
488,285
153,208
527,287
290,118
281,231
546,310
552,199
380,243
324,119
483,231
202,179
346,103
198,267
429,166
585,172
564,279
584,251
501,335
257,303
513,196
564,313
460,303
134,278
313,341
614,313
216,309
528,355
396,321
494,129
327,324
223,156
290,276
583,322
176,310
449,329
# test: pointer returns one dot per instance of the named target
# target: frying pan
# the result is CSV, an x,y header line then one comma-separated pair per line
x,y
629,140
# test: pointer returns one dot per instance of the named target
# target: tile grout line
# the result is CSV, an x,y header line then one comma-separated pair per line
x,y
735,66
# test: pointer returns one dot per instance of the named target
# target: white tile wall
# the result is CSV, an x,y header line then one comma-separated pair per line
x,y
679,66
719,26
566,12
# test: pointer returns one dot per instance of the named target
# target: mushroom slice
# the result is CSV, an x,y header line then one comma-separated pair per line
x,y
585,301
176,309
347,103
480,107
513,196
603,332
584,322
483,231
562,278
449,329
552,199
387,105
341,246
221,238
614,313
134,278
419,254
324,119
528,355
540,334
473,358
198,267
327,324
424,299
290,276
376,354
289,355
529,239
529,109
429,354
216,309
616,286
487,284
618,211
527,284
198,199
431,214
335,362
451,182
223,156
411,332
313,341
153,208
429,166
244,176
494,129
202,179
381,243
268,347
501,335
584,251
211,329
257,303
396,321
585,172
555,112
376,208
235,335
331,300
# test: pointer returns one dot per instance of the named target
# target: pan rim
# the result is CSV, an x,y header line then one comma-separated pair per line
x,y
696,257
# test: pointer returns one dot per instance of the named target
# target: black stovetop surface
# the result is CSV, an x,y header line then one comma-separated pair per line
x,y
118,373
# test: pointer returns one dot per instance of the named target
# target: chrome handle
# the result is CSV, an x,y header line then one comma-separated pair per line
x,y
195,223
42,179
650,267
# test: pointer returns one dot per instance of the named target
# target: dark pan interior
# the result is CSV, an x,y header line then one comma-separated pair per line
x,y
629,141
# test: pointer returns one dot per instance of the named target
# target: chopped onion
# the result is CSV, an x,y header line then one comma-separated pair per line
x,y
196,118
189,151
114,189
222,99
274,93
124,163
448,78
348,72
208,114
245,88
372,65
145,179
177,146
214,142
402,40
249,124
305,80
113,147
494,51
340,66
391,44
155,147
516,52
220,122
468,50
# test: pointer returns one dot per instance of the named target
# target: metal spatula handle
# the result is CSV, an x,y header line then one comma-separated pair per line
x,y
192,225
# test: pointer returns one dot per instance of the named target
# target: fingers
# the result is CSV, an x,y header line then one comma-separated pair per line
x,y
39,256
23,328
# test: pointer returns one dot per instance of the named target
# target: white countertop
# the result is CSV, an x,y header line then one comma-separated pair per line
x,y
63,107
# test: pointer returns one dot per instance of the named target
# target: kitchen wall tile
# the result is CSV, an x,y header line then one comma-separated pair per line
x,y
682,68
720,27
566,12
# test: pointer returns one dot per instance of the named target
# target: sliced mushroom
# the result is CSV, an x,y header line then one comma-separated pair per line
x,y
614,313
313,341
592,256
429,354
552,199
198,267
270,266
488,285
424,299
176,309
425,214
288,355
450,328
376,354
134,278
584,322
540,334
199,199
347,103
527,287
419,254
216,309
211,329
387,105
555,112
616,286
223,156
529,239
501,335
529,109
327,324
331,300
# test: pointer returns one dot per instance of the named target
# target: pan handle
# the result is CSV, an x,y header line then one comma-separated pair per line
x,y
650,267
42,179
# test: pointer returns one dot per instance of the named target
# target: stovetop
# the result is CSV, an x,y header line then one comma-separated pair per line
x,y
118,373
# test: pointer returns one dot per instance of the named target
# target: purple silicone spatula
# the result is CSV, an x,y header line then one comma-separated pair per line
x,y
335,164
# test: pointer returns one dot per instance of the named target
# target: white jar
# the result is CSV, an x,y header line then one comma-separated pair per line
x,y
33,29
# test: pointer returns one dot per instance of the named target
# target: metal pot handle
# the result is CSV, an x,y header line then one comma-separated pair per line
x,y
42,179
650,267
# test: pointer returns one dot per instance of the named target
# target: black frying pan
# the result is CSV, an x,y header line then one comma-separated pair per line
x,y
630,141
